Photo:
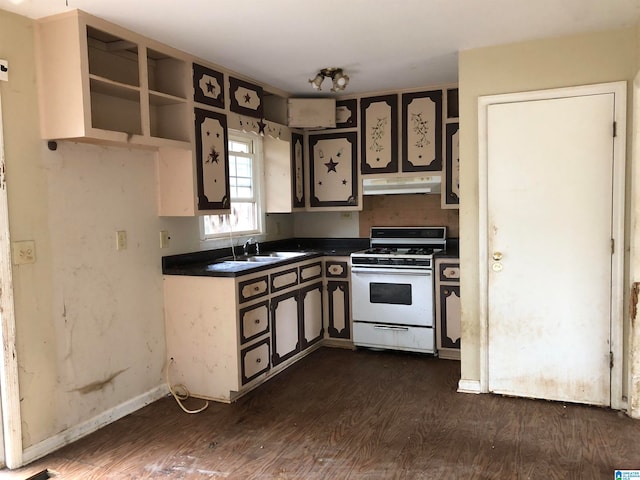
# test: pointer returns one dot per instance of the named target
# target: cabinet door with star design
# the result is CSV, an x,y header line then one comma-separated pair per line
x,y
212,160
333,174
422,131
379,134
246,98
208,86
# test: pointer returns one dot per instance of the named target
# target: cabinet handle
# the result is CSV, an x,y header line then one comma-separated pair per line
x,y
257,320
258,360
256,288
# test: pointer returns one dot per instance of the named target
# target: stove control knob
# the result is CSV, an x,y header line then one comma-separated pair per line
x,y
497,256
496,267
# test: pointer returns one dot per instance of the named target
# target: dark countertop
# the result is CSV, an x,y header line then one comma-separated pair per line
x,y
210,263
452,250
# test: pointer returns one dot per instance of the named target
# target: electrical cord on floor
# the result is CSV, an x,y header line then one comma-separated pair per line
x,y
181,396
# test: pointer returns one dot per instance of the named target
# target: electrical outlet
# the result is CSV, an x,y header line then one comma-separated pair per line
x,y
345,214
164,239
24,252
121,240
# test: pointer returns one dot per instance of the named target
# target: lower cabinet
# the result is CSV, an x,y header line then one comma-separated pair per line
x,y
311,310
338,301
227,335
447,295
285,318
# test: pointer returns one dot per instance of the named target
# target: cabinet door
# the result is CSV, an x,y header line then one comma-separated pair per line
x,y
285,326
422,131
212,160
311,315
333,175
451,190
449,316
297,170
379,134
339,313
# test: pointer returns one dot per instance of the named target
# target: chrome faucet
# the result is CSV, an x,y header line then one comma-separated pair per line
x,y
246,246
248,243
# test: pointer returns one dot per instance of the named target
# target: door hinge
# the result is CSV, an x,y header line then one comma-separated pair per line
x,y
613,246
610,360
615,129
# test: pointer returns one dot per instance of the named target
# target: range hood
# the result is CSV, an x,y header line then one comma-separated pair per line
x,y
399,185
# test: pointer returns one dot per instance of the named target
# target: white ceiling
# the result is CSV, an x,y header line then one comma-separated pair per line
x,y
381,44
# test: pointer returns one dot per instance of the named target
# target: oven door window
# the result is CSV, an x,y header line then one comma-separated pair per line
x,y
390,293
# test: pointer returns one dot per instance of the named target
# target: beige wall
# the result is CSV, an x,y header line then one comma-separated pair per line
x,y
79,319
550,63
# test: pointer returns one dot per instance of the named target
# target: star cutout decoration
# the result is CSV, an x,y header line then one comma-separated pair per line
x,y
344,181
208,133
261,127
214,156
210,87
247,98
331,165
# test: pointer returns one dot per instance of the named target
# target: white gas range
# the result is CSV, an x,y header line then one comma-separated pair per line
x,y
392,289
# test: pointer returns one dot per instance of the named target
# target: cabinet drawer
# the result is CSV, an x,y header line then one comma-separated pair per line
x,y
285,279
254,288
254,321
449,271
335,269
310,272
414,339
255,360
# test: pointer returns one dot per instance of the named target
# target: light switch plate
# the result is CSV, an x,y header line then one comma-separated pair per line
x,y
24,252
164,238
4,70
121,240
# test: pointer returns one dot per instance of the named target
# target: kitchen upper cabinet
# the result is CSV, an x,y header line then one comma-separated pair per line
x,y
333,172
101,83
447,293
379,134
284,173
422,131
451,171
212,161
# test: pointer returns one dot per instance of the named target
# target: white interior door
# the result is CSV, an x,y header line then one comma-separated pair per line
x,y
549,239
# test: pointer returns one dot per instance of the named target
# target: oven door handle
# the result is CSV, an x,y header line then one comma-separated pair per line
x,y
386,327
390,271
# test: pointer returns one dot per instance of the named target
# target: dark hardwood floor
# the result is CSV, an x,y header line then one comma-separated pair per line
x,y
339,414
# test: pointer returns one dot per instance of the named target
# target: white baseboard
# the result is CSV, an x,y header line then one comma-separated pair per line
x,y
51,444
469,386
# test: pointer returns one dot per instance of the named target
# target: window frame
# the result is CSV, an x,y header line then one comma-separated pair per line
x,y
237,237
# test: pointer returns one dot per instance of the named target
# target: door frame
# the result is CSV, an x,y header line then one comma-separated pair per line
x,y
9,388
619,89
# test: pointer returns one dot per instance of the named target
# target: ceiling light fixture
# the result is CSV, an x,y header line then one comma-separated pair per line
x,y
339,79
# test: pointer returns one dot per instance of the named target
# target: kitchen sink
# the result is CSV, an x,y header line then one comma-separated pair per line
x,y
282,255
269,257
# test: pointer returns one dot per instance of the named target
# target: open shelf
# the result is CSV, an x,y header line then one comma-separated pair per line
x,y
112,57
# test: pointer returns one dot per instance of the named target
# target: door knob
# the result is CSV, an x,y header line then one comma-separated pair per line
x,y
497,256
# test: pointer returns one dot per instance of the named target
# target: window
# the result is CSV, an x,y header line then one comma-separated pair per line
x,y
245,157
